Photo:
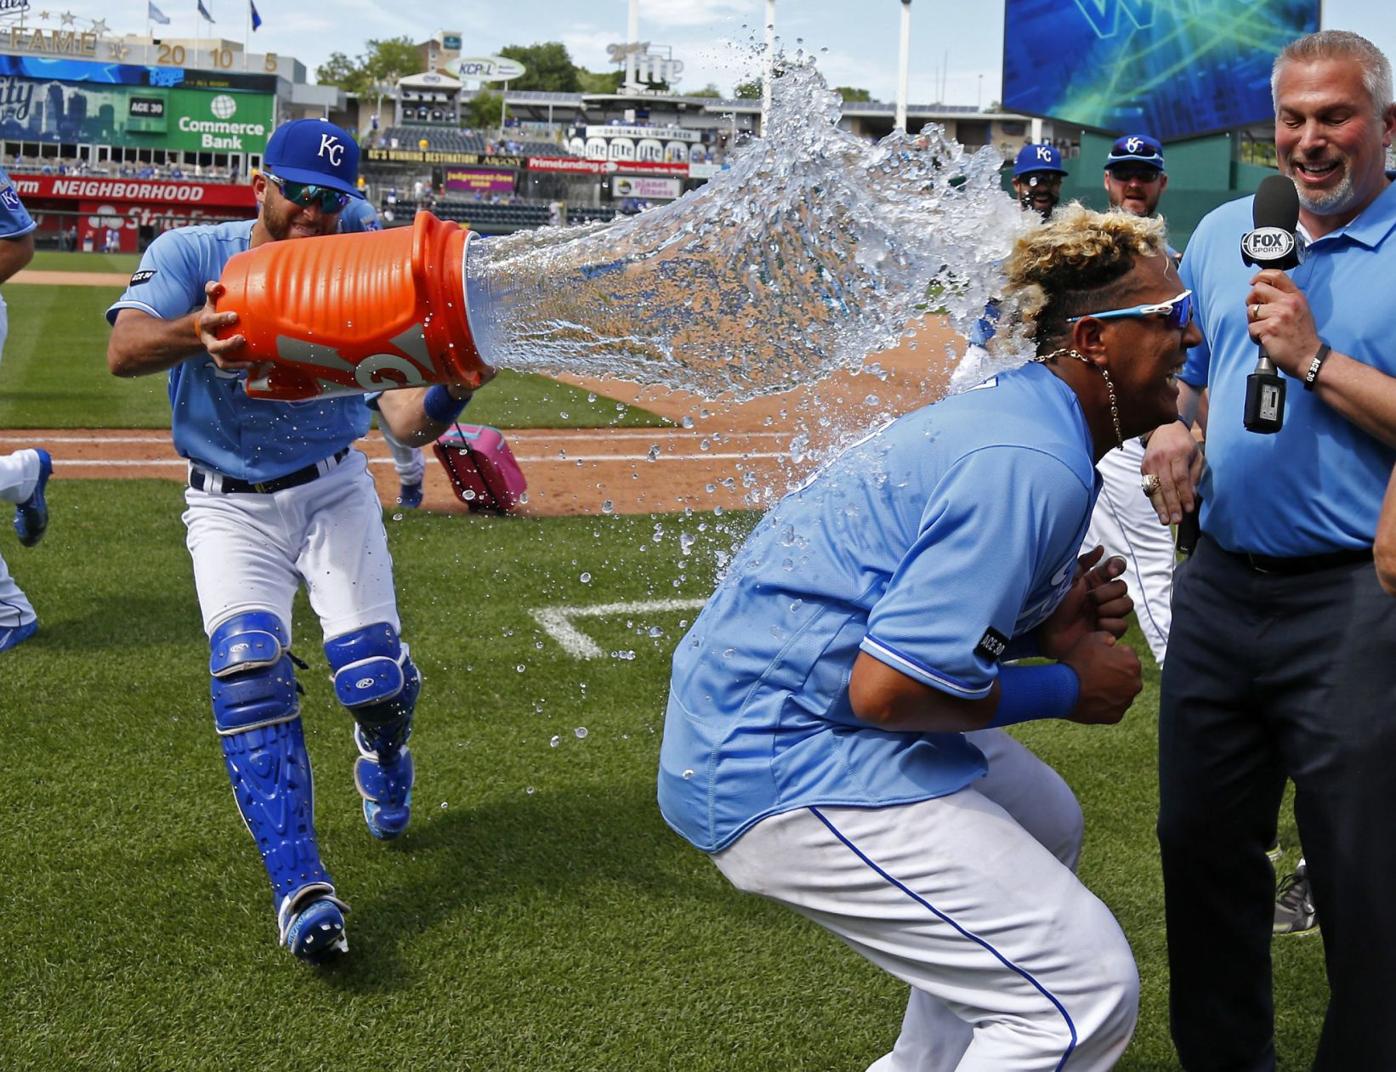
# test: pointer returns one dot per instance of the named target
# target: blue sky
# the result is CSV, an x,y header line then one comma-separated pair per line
x,y
953,41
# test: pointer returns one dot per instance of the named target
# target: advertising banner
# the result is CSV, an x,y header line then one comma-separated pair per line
x,y
134,116
439,156
636,186
637,133
129,74
1170,68
581,166
221,196
483,181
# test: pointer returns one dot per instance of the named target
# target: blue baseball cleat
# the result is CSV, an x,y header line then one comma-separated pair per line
x,y
31,516
13,635
409,496
313,928
384,779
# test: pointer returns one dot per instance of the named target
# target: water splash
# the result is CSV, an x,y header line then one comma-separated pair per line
x,y
814,249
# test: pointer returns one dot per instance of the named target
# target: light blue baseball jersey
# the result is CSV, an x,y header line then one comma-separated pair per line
x,y
359,215
1316,485
213,421
15,221
927,546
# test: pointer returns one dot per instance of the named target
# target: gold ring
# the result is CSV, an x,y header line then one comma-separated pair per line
x,y
1255,311
1151,483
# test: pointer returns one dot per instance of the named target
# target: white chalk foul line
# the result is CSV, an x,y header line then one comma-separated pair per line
x,y
532,459
523,434
557,621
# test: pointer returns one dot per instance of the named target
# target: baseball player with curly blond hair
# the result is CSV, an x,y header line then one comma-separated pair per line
x,y
834,732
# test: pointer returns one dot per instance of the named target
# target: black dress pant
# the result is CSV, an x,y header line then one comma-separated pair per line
x,y
1271,676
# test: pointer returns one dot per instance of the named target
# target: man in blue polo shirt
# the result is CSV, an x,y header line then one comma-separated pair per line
x,y
278,498
1280,655
815,740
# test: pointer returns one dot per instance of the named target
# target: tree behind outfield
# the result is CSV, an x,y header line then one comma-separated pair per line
x,y
548,67
382,63
853,93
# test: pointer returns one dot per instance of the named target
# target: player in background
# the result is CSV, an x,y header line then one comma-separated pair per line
x,y
409,461
25,473
278,498
819,741
1124,521
1037,178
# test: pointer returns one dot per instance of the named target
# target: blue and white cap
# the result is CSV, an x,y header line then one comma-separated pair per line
x,y
1135,149
314,151
1038,158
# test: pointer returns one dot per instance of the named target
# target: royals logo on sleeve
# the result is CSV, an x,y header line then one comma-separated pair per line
x,y
145,276
10,199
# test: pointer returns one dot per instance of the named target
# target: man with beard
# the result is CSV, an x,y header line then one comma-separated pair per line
x,y
1037,178
1280,651
276,498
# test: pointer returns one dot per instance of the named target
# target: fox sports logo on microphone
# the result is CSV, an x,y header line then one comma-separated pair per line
x,y
1268,244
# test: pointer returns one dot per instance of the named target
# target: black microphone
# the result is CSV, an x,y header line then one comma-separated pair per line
x,y
1270,244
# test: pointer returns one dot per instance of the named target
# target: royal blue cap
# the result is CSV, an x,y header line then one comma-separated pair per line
x,y
1135,149
1038,158
314,151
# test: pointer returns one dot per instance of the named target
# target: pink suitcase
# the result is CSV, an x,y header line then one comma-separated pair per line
x,y
481,466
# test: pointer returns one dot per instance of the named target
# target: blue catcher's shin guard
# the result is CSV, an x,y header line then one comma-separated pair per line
x,y
255,710
375,678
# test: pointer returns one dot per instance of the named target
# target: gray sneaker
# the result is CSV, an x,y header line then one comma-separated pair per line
x,y
1294,904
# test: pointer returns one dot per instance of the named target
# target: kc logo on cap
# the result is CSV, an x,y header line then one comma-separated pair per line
x,y
332,147
314,151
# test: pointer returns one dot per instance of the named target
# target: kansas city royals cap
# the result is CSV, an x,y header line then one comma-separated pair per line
x,y
314,151
1135,149
1038,158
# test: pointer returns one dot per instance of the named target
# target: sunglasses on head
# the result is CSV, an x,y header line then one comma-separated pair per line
x,y
307,194
1178,312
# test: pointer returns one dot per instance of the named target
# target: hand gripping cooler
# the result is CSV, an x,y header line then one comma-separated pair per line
x,y
346,314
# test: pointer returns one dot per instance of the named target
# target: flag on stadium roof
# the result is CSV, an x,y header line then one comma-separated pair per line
x,y
203,10
154,14
256,19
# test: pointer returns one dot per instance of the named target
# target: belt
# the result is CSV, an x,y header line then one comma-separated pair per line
x,y
1298,565
206,480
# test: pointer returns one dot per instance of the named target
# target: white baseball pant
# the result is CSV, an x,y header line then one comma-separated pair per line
x,y
19,475
252,551
1125,524
971,899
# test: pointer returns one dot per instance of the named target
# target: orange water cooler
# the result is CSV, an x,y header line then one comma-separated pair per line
x,y
346,314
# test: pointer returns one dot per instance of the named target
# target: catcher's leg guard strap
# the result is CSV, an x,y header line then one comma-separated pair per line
x,y
270,773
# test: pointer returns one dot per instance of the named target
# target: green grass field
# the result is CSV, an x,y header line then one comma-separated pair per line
x,y
51,260
538,916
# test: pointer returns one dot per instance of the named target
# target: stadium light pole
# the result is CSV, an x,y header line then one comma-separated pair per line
x,y
770,72
904,65
632,37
